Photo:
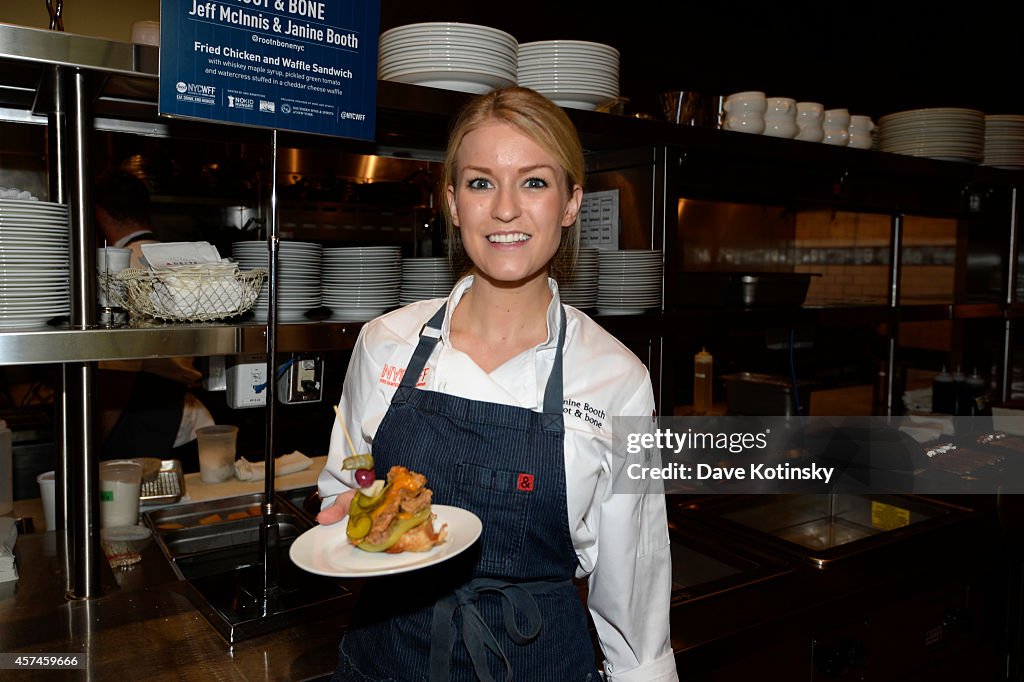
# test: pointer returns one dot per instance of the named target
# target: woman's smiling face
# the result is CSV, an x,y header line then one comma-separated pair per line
x,y
510,202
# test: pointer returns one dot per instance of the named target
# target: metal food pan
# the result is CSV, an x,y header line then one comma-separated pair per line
x,y
208,513
198,539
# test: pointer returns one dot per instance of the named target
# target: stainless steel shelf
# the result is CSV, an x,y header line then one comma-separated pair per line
x,y
87,345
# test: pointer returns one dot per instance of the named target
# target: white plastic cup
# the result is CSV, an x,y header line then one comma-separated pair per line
x,y
110,260
48,493
120,485
216,452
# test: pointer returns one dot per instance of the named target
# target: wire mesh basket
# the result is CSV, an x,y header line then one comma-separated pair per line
x,y
193,296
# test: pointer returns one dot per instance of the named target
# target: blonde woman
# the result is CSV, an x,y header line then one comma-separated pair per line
x,y
487,410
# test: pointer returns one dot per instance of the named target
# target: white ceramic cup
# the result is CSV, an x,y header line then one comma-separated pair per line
x,y
780,117
120,485
751,123
216,452
146,33
48,493
809,117
837,127
780,107
746,103
860,132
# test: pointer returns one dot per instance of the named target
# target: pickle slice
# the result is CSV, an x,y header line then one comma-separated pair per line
x,y
359,526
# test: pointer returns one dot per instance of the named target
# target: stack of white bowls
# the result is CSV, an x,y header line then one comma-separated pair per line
x,y
575,74
298,277
361,282
425,278
580,290
33,263
629,282
1004,141
448,55
944,133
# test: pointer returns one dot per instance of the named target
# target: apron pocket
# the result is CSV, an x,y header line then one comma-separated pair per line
x,y
493,495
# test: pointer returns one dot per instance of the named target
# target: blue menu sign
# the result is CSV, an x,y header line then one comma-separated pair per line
x,y
303,65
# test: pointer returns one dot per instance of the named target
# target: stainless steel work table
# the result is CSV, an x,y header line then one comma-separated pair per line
x,y
144,627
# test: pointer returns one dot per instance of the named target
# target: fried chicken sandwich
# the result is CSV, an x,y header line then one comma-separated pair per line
x,y
394,516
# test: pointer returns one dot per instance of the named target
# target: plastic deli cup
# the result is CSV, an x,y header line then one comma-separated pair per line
x,y
47,491
120,484
216,452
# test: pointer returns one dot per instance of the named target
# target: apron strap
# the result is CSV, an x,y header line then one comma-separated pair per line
x,y
553,390
430,334
478,638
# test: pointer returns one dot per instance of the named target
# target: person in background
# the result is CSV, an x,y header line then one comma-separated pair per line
x,y
470,392
145,407
123,213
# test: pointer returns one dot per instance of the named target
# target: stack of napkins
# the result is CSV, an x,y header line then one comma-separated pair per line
x,y
926,428
8,536
285,464
193,278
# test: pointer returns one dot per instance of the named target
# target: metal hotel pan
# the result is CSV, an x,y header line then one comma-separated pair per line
x,y
200,539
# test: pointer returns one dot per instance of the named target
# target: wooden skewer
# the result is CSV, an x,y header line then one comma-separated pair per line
x,y
351,447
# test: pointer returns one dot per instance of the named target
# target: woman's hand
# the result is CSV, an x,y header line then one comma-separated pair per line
x,y
337,511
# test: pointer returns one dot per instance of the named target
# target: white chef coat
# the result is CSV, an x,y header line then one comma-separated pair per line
x,y
629,600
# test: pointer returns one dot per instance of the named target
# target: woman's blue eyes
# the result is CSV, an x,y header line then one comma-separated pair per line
x,y
484,183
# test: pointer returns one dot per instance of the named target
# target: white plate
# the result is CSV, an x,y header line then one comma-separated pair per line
x,y
325,550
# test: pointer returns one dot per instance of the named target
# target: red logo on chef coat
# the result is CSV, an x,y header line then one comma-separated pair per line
x,y
525,483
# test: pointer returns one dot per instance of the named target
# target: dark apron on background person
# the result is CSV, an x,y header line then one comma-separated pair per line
x,y
505,609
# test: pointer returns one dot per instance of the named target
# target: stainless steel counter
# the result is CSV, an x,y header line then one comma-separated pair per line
x,y
144,626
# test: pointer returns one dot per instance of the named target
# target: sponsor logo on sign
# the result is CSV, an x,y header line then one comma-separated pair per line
x,y
286,108
235,102
266,106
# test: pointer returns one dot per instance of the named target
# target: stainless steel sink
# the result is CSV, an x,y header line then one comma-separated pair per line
x,y
821,529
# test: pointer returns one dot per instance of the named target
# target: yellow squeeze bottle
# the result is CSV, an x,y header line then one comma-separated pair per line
x,y
702,363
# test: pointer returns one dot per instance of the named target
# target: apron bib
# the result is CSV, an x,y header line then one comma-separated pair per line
x,y
506,608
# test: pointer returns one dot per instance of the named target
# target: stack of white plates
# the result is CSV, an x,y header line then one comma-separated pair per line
x,y
1004,141
572,73
448,55
580,290
33,263
361,282
629,282
424,278
947,133
298,277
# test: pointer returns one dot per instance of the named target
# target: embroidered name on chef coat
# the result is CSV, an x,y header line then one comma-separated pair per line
x,y
581,409
391,375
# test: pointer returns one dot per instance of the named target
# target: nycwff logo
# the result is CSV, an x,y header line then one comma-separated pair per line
x,y
195,89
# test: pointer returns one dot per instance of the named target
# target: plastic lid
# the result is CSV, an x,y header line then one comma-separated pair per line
x,y
125,533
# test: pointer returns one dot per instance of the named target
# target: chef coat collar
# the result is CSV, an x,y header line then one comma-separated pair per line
x,y
128,238
463,285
